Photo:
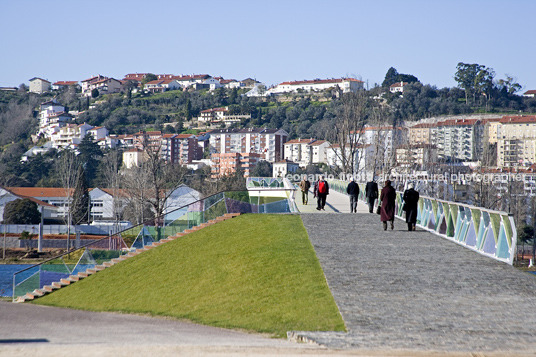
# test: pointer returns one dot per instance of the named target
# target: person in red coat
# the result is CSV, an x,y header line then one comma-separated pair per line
x,y
388,199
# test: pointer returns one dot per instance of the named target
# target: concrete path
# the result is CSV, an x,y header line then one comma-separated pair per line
x,y
335,202
417,291
27,329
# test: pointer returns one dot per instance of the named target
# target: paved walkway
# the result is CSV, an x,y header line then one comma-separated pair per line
x,y
417,291
336,202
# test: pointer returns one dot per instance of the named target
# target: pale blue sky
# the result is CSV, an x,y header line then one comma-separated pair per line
x,y
272,40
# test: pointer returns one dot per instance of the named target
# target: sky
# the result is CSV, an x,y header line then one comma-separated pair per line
x,y
272,41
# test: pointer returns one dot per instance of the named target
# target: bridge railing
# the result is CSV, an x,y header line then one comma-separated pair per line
x,y
88,256
488,232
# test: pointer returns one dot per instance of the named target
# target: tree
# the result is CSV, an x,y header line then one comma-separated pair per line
x,y
94,93
473,79
89,155
81,203
390,77
509,84
67,171
263,169
21,211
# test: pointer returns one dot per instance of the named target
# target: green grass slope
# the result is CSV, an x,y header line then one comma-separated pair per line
x,y
254,272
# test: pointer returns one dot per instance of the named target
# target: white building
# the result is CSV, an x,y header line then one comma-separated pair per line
x,y
266,142
69,135
103,84
398,87
39,85
363,157
162,85
284,167
344,84
51,116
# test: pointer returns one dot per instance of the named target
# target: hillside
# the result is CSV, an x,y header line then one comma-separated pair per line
x,y
254,272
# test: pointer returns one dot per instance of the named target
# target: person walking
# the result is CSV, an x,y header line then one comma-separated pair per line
x,y
305,185
353,191
371,193
411,202
321,191
387,199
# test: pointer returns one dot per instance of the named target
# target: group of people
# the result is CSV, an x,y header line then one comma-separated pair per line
x,y
320,192
386,204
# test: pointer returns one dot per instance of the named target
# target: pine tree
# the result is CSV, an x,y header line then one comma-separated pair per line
x,y
80,204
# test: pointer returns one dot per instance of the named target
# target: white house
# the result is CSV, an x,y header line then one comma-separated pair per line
x,y
306,151
39,85
37,150
52,114
344,84
162,85
103,84
133,157
212,83
63,84
284,167
398,87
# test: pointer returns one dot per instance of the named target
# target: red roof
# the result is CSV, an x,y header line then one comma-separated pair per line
x,y
514,119
221,109
399,84
532,91
184,136
452,122
322,81
65,83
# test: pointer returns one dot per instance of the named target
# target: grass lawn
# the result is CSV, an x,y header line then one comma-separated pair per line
x,y
253,272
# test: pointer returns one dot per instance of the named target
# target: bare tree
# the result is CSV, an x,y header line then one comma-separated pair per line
x,y
112,179
347,129
67,172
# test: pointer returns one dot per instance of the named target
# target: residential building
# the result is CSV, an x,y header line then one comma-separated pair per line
x,y
362,156
284,167
530,93
64,84
344,84
516,141
103,84
191,80
52,116
162,85
225,164
39,85
221,115
420,133
69,135
133,158
414,157
231,83
458,139
212,83
397,87
266,142
306,151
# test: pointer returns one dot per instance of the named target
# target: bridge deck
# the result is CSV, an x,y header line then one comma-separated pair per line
x,y
414,290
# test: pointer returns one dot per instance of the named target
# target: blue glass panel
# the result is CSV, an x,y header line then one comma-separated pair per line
x,y
489,243
502,245
470,239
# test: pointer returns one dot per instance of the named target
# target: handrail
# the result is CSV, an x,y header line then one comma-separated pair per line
x,y
124,230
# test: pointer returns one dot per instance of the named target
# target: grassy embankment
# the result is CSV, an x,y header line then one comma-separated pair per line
x,y
254,272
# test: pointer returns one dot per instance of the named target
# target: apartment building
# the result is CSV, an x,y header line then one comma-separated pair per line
x,y
415,156
103,84
306,151
225,164
420,133
39,85
516,141
69,136
269,143
458,139
221,115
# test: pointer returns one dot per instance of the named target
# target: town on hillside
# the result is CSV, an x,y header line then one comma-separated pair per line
x,y
474,158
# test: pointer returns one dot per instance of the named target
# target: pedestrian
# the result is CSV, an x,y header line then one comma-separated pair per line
x,y
371,193
321,192
411,202
387,199
353,191
305,185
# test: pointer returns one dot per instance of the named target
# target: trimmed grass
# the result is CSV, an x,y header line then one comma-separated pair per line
x,y
253,272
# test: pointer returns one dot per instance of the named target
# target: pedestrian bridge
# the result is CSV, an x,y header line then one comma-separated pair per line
x,y
405,289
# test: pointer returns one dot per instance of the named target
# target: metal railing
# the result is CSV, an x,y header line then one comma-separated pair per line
x,y
488,232
113,246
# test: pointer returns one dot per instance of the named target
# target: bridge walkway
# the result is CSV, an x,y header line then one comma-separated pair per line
x,y
415,290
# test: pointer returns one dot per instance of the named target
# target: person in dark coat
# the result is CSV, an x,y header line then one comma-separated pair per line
x,y
388,199
321,192
371,192
411,201
353,191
